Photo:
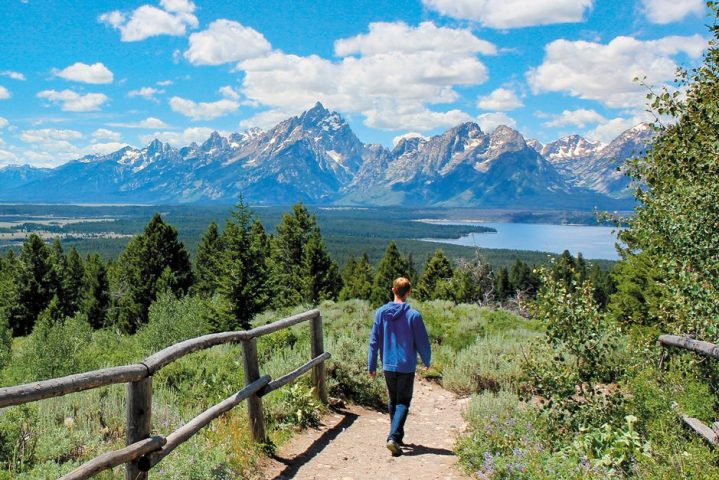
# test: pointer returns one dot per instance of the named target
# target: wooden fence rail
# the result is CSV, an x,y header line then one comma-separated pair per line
x,y
144,451
710,434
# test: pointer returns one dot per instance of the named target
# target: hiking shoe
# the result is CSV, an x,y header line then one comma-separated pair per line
x,y
393,447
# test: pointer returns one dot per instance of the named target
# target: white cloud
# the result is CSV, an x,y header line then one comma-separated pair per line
x,y
203,110
7,158
610,129
407,135
148,123
42,159
513,13
490,121
71,101
105,134
148,93
397,73
104,148
4,122
13,75
49,135
226,41
228,92
165,83
667,11
501,99
605,73
386,37
178,6
4,93
181,139
173,18
412,116
577,118
81,72
266,119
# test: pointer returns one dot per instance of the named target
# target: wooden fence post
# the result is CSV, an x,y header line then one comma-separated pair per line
x,y
138,421
254,402
319,372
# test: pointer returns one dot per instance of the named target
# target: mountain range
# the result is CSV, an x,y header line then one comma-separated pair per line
x,y
316,158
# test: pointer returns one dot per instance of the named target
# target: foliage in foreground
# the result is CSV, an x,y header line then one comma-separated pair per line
x,y
49,438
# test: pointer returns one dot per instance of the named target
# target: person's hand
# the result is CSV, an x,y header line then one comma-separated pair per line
x,y
372,374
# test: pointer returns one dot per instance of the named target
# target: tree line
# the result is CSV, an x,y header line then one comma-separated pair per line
x,y
467,281
248,268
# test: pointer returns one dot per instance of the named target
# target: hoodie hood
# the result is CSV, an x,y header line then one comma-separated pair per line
x,y
393,311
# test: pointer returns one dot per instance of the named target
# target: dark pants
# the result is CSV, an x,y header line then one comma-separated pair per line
x,y
399,386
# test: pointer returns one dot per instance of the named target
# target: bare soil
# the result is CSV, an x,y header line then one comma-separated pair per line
x,y
350,443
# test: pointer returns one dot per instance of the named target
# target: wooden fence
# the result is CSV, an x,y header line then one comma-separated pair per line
x,y
144,451
710,434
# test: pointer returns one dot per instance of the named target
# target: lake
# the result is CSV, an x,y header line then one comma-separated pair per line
x,y
592,241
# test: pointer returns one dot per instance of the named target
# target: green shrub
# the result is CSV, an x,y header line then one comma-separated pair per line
x,y
503,443
55,349
299,407
172,320
576,325
615,449
490,364
347,372
18,438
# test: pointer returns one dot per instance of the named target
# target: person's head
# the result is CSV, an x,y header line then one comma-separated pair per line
x,y
401,288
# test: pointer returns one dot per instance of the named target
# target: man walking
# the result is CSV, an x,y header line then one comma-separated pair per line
x,y
398,333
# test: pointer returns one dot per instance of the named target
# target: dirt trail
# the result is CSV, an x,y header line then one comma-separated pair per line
x,y
350,444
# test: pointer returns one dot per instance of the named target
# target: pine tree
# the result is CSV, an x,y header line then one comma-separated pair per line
x,y
437,272
363,278
411,268
357,278
348,275
73,284
522,279
603,284
244,277
564,270
392,266
96,295
301,268
58,260
8,299
139,268
34,285
502,287
580,269
208,262
322,280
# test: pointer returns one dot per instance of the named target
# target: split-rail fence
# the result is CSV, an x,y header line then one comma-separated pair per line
x,y
144,451
710,434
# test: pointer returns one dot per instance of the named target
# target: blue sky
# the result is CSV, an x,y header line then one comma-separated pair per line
x,y
90,76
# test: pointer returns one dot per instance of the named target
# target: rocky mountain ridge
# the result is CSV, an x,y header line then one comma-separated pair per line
x,y
316,158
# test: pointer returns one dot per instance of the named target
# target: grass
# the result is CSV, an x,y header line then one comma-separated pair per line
x,y
70,430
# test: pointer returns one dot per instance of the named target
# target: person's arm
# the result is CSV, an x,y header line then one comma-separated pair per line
x,y
375,344
421,340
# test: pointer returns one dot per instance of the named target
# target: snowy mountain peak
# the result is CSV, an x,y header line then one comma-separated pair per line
x,y
316,157
536,145
156,147
252,132
569,148
408,144
507,139
215,143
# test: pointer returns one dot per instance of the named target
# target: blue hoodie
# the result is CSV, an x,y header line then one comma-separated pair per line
x,y
398,333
